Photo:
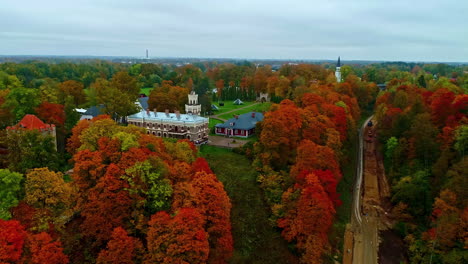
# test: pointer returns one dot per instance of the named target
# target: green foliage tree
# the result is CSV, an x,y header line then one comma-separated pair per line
x,y
10,187
461,140
156,189
28,149
71,116
49,91
390,146
410,187
423,133
117,103
422,81
74,89
22,101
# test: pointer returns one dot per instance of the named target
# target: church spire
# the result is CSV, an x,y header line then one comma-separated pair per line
x,y
338,70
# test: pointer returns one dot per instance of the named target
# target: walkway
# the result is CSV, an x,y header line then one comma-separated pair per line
x,y
225,142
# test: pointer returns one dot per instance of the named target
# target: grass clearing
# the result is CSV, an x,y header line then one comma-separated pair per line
x,y
228,106
261,107
212,122
255,241
146,90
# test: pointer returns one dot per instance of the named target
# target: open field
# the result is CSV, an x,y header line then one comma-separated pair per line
x,y
213,122
260,107
228,106
146,90
255,240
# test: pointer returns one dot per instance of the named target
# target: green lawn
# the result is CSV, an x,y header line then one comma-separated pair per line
x,y
146,90
213,122
228,106
261,107
255,241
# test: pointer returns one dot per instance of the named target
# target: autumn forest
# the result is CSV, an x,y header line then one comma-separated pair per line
x,y
100,190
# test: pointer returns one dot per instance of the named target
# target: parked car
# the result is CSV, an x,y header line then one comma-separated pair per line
x,y
201,141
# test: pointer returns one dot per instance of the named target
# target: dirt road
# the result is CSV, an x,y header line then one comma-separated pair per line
x,y
370,188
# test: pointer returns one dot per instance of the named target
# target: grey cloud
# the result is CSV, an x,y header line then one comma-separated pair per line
x,y
423,30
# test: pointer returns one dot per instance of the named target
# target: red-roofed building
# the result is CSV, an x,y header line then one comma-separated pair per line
x,y
31,122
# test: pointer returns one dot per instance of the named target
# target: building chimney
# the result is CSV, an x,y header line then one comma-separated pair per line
x,y
155,111
177,112
253,114
167,112
237,117
148,111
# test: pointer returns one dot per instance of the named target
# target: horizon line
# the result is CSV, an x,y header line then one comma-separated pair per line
x,y
230,58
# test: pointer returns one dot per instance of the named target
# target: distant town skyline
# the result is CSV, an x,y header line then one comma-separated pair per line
x,y
420,30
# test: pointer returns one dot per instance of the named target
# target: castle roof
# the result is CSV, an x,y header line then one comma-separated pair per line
x,y
31,122
144,102
168,117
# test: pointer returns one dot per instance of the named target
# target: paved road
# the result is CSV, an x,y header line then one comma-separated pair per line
x,y
364,226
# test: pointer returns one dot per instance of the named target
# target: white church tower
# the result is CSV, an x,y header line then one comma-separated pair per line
x,y
193,107
338,71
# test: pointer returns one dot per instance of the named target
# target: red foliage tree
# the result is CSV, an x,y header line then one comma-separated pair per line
x,y
200,164
108,206
12,236
441,106
311,156
51,113
43,250
24,213
329,183
122,249
74,142
337,115
181,239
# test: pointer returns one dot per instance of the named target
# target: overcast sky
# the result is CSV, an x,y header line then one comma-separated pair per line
x,y
410,30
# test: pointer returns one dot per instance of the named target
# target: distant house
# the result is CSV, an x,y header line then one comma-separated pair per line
x,y
382,86
91,112
239,126
31,122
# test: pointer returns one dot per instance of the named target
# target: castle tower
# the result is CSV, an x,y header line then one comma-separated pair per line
x,y
338,71
193,107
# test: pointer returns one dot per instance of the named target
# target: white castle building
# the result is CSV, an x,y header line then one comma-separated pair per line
x,y
174,125
193,107
338,71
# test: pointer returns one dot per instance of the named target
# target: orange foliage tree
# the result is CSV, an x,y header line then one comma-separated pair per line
x,y
308,219
280,135
214,205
